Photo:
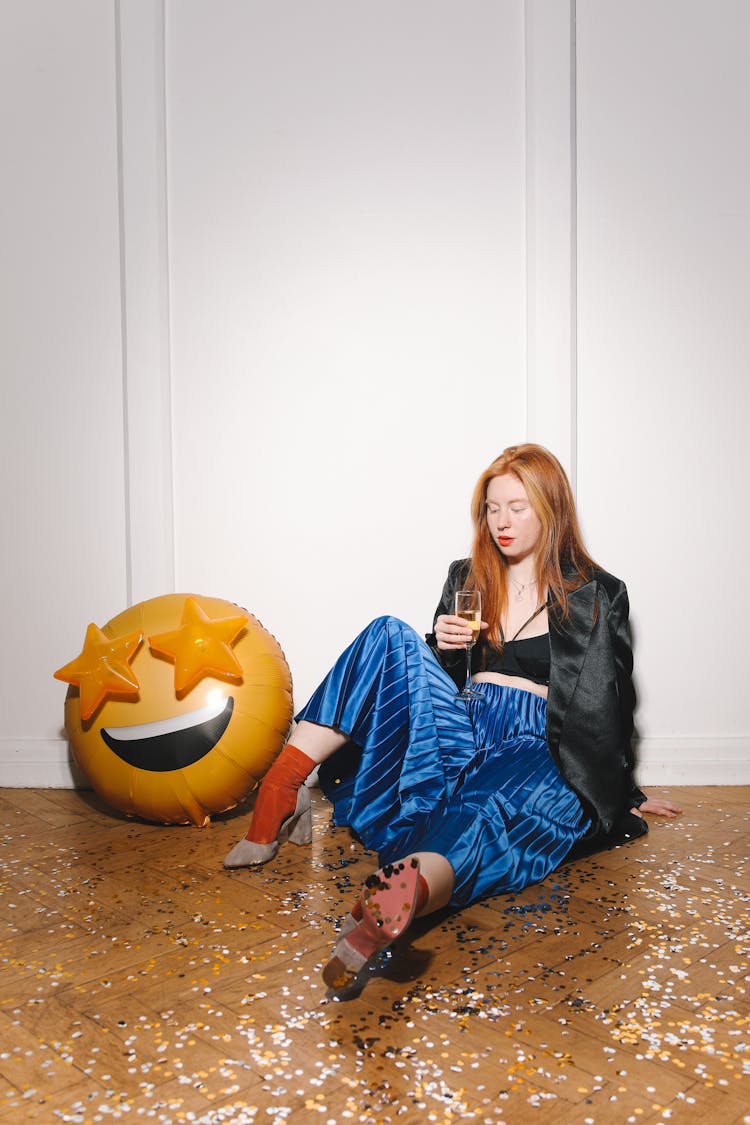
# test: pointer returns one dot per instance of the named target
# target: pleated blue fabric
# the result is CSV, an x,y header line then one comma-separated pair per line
x,y
426,771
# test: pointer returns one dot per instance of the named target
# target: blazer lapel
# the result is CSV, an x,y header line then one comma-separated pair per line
x,y
569,642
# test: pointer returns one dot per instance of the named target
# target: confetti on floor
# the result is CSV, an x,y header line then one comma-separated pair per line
x,y
141,981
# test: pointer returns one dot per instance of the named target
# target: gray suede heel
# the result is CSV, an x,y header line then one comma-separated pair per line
x,y
297,828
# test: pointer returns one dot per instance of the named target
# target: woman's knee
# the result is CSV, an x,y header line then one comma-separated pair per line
x,y
393,626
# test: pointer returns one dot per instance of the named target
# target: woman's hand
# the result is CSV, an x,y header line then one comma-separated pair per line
x,y
452,632
658,806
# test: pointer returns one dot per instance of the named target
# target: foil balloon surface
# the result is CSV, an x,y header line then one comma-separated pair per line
x,y
177,707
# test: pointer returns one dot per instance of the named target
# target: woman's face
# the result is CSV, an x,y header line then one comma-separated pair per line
x,y
513,523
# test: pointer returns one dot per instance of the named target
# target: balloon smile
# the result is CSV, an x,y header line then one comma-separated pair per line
x,y
174,743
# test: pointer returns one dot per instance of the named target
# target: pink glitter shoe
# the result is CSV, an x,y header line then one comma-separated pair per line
x,y
388,900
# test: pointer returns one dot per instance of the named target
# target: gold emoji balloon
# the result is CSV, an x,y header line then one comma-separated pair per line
x,y
177,707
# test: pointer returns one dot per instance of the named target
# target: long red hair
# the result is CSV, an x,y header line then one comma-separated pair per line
x,y
562,562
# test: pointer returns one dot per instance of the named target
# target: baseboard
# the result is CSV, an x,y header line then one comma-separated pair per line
x,y
28,763
34,763
693,761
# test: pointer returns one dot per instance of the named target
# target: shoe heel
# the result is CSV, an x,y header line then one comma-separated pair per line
x,y
302,831
298,827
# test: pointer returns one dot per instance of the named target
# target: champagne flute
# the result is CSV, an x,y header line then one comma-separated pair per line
x,y
468,605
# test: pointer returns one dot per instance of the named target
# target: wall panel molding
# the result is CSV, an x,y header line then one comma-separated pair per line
x,y
551,203
140,45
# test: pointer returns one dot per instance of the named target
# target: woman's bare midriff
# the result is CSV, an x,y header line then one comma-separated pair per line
x,y
510,681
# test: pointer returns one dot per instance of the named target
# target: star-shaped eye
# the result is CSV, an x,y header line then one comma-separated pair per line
x,y
102,669
201,647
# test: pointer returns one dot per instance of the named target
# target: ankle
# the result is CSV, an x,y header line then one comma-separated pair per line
x,y
290,769
277,796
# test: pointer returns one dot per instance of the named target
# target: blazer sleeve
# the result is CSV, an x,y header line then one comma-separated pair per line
x,y
619,627
453,661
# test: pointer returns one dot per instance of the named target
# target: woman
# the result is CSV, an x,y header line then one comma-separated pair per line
x,y
464,799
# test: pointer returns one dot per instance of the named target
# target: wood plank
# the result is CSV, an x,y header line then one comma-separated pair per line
x,y
142,979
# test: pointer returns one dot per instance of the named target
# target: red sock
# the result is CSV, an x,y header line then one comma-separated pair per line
x,y
277,796
423,893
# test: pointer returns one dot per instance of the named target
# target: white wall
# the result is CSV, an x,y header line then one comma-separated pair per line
x,y
346,203
264,262
664,355
63,557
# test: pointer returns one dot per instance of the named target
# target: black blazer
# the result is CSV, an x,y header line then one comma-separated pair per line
x,y
590,701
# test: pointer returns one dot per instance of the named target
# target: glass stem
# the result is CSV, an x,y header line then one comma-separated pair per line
x,y
467,685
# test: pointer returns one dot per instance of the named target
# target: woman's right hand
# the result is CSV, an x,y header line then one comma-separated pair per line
x,y
452,632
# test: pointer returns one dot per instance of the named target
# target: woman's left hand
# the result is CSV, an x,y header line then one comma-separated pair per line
x,y
658,806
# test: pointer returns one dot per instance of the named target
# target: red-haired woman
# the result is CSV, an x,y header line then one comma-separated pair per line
x,y
467,799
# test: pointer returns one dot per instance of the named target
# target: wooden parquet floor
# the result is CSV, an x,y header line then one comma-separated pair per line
x,y
143,982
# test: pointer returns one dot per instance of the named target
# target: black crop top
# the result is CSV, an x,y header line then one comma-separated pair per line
x,y
528,657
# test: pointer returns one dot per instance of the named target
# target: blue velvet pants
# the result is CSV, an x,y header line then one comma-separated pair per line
x,y
425,771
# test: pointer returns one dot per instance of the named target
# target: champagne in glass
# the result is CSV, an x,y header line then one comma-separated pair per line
x,y
468,605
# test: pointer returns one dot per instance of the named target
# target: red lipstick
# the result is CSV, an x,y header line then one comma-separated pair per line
x,y
504,540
